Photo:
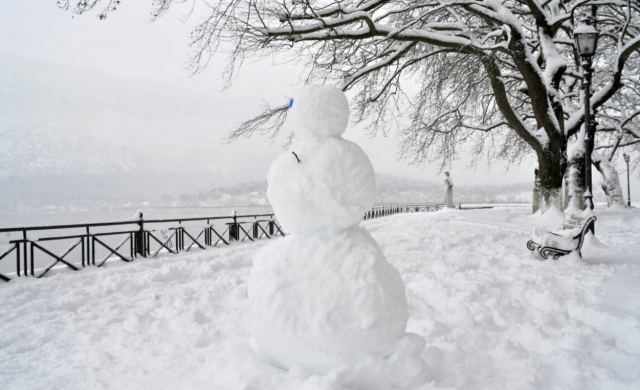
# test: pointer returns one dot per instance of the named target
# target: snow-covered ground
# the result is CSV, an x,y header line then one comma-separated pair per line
x,y
493,317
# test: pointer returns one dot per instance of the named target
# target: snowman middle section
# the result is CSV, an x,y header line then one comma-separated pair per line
x,y
325,295
325,184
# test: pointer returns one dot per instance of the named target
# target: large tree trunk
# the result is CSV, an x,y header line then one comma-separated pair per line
x,y
551,168
610,180
536,200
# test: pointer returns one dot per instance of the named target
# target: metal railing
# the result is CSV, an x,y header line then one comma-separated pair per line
x,y
39,250
384,210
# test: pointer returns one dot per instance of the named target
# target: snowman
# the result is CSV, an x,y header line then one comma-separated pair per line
x,y
324,296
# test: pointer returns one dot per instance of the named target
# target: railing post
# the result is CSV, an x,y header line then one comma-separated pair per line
x,y
180,238
26,254
83,251
132,246
140,246
272,227
93,251
31,259
18,258
256,230
147,249
207,235
86,248
234,230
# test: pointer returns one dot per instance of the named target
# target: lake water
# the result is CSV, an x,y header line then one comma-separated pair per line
x,y
62,216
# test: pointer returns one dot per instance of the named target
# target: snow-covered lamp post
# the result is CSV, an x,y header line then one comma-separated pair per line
x,y
586,37
627,159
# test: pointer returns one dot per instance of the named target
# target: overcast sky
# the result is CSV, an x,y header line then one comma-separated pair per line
x,y
128,46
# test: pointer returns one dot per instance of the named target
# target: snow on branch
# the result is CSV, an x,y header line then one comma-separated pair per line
x,y
485,62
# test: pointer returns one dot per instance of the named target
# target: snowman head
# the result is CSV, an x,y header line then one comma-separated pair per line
x,y
317,112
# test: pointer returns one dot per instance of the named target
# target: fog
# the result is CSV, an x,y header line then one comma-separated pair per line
x,y
124,82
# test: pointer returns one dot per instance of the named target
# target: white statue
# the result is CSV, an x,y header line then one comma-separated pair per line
x,y
324,296
448,188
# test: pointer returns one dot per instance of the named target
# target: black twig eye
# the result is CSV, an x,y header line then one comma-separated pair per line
x,y
296,156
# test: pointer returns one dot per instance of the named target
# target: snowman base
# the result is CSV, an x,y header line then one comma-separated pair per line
x,y
405,368
408,367
325,300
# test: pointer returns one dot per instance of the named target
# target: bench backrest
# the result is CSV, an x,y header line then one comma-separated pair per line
x,y
574,222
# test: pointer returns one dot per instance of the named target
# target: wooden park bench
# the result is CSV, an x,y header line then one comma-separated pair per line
x,y
565,240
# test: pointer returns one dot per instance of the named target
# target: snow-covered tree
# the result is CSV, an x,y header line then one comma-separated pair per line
x,y
618,130
500,73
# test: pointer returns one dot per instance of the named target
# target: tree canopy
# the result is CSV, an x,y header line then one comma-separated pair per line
x,y
501,73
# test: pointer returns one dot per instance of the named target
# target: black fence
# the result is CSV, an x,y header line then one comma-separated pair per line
x,y
40,250
384,210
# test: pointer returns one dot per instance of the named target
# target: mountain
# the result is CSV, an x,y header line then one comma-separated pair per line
x,y
42,151
73,137
48,167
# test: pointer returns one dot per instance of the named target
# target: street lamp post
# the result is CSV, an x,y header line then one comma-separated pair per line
x,y
627,159
586,38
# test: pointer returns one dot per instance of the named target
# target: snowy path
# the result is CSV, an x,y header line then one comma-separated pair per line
x,y
493,317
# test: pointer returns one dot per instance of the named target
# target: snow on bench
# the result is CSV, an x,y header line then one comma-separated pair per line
x,y
564,241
